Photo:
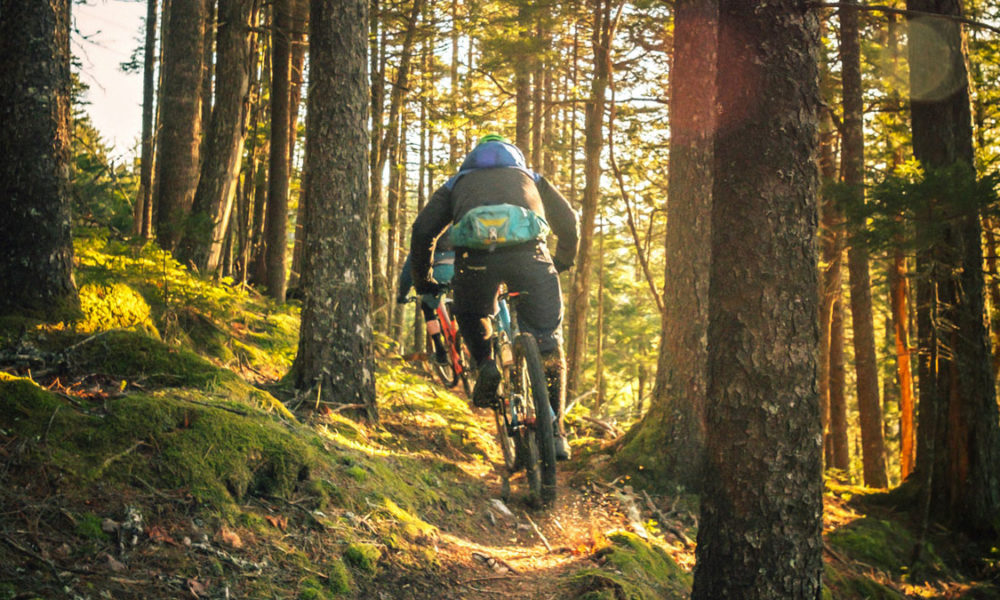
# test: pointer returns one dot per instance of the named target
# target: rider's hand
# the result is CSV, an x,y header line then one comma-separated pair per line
x,y
428,286
560,265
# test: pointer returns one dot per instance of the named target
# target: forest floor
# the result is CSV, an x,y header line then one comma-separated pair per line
x,y
152,450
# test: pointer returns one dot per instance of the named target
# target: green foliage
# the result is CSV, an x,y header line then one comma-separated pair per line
x,y
915,206
103,192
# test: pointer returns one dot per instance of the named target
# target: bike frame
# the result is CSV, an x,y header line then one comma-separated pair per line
x,y
449,329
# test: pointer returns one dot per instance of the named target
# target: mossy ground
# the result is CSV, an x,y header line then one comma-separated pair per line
x,y
164,401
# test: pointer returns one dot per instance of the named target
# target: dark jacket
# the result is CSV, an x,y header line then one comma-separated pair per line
x,y
488,186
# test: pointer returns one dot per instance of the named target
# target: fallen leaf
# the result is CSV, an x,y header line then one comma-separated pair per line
x,y
197,588
278,522
158,534
114,564
230,538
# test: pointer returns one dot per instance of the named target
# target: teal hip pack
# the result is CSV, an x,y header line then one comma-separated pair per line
x,y
496,226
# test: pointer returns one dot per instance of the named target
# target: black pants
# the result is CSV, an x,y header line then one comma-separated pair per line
x,y
527,269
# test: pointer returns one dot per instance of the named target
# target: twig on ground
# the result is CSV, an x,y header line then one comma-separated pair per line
x,y
539,532
45,436
664,522
122,454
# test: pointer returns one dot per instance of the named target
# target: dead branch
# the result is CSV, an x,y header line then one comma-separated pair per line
x,y
539,532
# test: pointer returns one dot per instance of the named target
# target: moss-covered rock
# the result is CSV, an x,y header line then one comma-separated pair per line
x,y
633,569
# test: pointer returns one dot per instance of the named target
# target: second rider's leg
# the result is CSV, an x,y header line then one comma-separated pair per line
x,y
475,300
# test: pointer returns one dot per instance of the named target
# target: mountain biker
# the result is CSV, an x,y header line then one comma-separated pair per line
x,y
494,178
444,270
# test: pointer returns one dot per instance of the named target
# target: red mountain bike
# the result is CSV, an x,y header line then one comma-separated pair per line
x,y
459,366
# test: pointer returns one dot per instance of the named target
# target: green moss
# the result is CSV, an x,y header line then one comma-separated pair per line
x,y
363,557
357,473
339,578
310,589
218,455
634,569
851,586
114,306
7,591
88,526
882,544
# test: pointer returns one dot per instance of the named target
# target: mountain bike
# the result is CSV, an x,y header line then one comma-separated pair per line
x,y
524,418
458,366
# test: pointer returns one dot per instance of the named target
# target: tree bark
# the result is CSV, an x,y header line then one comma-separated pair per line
x,y
143,210
205,233
335,361
36,244
179,135
276,219
958,448
579,293
760,531
852,162
670,441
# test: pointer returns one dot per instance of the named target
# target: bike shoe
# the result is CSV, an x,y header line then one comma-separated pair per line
x,y
485,392
562,448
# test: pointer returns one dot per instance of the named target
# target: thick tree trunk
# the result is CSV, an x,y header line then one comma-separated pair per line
x,y
760,535
205,233
36,244
852,161
179,135
959,444
335,361
670,441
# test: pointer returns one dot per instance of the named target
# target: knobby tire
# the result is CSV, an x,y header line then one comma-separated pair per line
x,y
541,446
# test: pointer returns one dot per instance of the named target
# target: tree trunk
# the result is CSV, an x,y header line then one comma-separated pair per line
x,y
276,219
670,441
579,294
852,162
760,535
300,21
335,361
143,210
959,448
390,145
522,83
901,339
36,244
176,161
832,252
205,234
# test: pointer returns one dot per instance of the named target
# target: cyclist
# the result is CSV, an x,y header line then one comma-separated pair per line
x,y
500,211
444,270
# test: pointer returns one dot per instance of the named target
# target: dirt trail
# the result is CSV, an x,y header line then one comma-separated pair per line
x,y
528,552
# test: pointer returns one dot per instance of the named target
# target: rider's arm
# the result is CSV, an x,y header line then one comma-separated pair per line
x,y
429,224
563,221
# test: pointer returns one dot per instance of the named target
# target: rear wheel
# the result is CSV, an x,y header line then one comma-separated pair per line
x,y
540,447
444,371
467,375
